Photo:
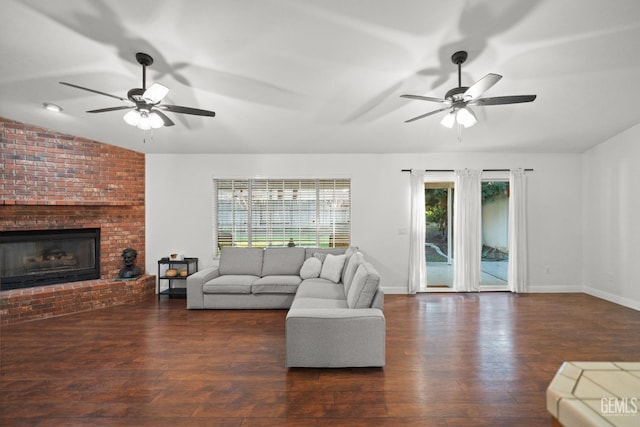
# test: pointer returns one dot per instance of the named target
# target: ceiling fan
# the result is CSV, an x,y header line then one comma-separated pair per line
x,y
459,100
147,110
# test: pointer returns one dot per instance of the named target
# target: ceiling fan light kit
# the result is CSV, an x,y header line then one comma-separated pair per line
x,y
466,117
147,110
448,120
463,116
459,99
143,119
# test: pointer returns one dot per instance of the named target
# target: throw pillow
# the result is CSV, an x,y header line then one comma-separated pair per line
x,y
320,255
311,268
332,267
363,287
349,271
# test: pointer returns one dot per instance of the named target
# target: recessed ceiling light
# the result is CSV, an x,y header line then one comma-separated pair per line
x,y
52,107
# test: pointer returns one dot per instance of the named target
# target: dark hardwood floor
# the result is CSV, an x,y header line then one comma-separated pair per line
x,y
452,360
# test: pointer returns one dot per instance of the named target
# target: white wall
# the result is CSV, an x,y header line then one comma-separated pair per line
x,y
179,205
611,204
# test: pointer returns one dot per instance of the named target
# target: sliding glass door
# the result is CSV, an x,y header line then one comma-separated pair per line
x,y
439,234
495,234
492,252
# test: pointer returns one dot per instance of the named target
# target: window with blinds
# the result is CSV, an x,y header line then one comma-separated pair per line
x,y
283,212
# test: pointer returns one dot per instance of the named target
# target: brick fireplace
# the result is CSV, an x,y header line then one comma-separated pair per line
x,y
56,181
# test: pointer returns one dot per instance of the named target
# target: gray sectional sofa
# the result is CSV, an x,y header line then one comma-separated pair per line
x,y
335,316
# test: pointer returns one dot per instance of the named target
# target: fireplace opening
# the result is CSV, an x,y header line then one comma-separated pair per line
x,y
46,257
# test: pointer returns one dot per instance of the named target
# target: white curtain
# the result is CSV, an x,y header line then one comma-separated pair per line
x,y
417,260
467,239
517,231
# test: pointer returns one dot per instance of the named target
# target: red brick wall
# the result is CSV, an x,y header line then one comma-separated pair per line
x,y
51,180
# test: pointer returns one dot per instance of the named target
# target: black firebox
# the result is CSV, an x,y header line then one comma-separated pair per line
x,y
46,257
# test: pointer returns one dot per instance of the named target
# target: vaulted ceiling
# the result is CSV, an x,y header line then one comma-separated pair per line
x,y
324,76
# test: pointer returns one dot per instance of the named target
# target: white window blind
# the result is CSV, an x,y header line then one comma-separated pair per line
x,y
280,212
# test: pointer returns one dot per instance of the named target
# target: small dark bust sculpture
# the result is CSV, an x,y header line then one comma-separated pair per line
x,y
130,271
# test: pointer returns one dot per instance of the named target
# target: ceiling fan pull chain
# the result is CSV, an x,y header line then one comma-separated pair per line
x,y
144,138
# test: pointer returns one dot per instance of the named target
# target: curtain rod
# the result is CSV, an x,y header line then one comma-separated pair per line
x,y
451,170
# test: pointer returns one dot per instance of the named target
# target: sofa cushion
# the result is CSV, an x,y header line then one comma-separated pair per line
x,y
316,281
282,261
241,261
276,285
320,288
230,284
363,287
332,267
350,270
316,303
311,268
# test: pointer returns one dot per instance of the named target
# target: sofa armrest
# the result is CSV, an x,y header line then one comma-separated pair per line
x,y
195,296
335,338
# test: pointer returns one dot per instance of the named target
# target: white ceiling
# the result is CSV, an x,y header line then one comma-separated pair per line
x,y
324,76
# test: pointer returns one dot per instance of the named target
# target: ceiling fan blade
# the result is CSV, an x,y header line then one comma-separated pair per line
x,y
93,90
481,86
426,98
426,115
167,121
500,100
187,110
104,110
155,93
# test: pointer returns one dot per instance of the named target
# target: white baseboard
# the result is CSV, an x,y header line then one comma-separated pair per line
x,y
627,302
398,290
554,289
390,290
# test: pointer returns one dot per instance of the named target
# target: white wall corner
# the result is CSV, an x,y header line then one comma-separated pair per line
x,y
627,302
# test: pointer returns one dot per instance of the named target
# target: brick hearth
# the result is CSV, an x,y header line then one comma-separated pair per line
x,y
55,181
22,305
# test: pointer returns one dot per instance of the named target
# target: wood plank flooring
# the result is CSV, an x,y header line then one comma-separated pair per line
x,y
452,360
